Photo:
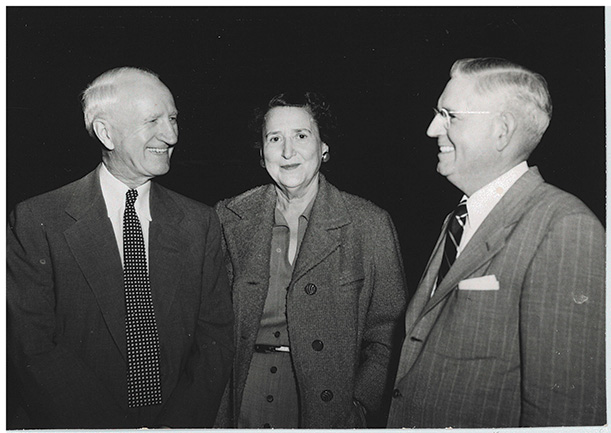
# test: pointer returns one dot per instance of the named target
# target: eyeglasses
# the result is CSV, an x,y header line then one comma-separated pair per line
x,y
448,115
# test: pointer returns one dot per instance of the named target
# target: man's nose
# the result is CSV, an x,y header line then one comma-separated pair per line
x,y
169,132
436,127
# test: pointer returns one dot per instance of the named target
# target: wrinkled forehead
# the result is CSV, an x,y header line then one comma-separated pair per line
x,y
138,92
143,85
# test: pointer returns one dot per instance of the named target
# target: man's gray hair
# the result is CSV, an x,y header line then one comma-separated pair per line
x,y
524,89
101,93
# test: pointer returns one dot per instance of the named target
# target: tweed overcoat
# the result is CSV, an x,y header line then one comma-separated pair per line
x,y
66,310
350,252
515,333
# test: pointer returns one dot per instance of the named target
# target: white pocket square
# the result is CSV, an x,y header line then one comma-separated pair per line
x,y
487,282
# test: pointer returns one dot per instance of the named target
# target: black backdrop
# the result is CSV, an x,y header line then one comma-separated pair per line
x,y
382,69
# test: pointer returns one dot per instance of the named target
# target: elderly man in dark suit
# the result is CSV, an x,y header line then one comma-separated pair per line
x,y
119,312
507,325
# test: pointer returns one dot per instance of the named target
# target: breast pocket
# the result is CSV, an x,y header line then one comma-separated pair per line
x,y
352,280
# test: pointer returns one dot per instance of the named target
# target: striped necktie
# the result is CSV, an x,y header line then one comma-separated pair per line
x,y
143,379
453,235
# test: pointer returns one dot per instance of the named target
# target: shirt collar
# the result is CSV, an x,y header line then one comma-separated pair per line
x,y
114,192
481,203
307,212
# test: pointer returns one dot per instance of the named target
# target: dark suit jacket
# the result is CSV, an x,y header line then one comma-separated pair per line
x,y
66,310
350,253
531,353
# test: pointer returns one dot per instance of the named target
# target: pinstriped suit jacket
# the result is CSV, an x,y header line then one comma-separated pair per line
x,y
528,354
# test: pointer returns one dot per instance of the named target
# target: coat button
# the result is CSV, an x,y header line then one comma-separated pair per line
x,y
270,398
317,345
274,369
396,393
277,334
310,289
326,395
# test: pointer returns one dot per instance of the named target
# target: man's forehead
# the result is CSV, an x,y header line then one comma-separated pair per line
x,y
462,91
141,85
136,93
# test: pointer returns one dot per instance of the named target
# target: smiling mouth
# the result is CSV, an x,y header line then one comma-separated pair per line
x,y
290,166
157,150
446,149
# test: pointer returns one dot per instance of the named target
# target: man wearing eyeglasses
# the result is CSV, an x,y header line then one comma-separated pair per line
x,y
507,325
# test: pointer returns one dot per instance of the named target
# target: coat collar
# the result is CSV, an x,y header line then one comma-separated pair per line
x,y
92,241
328,206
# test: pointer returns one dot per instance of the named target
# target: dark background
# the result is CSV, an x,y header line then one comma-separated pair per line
x,y
381,68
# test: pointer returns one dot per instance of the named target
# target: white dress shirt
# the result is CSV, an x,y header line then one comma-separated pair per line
x,y
114,192
481,202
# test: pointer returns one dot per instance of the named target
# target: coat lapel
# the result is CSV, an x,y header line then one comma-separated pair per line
x,y
92,241
249,239
322,237
423,293
166,242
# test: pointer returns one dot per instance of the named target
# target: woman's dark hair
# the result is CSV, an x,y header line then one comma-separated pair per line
x,y
313,102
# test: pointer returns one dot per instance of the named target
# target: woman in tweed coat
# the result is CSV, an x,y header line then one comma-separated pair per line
x,y
317,281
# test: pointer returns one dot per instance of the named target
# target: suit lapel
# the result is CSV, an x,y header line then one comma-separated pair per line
x,y
166,240
417,304
92,242
422,295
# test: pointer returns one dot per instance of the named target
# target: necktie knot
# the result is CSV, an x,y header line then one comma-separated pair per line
x,y
460,216
130,197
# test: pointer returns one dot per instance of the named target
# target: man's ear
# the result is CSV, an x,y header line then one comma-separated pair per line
x,y
506,127
102,131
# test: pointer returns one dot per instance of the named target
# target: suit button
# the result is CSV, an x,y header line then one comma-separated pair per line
x,y
396,393
317,345
277,334
273,369
270,398
326,395
310,289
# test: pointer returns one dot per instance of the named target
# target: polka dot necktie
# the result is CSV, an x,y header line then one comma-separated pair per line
x,y
143,379
454,234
